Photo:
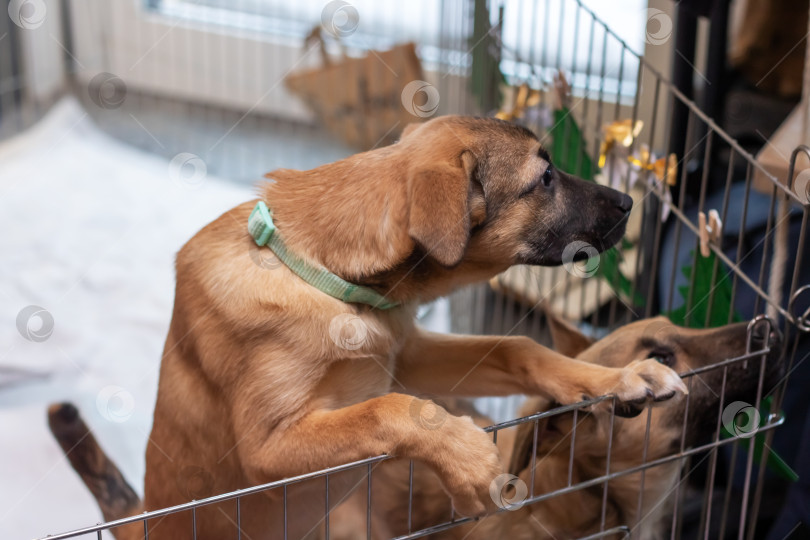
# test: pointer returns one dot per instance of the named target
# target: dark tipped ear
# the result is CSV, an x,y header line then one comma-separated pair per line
x,y
439,219
565,337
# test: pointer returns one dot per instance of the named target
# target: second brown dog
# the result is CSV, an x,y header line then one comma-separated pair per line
x,y
400,505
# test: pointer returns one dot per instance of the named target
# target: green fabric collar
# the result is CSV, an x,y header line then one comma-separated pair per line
x,y
263,231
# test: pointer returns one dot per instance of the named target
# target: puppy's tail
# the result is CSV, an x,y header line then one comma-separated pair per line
x,y
114,495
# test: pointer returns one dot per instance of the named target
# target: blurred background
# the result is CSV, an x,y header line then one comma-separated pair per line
x,y
127,125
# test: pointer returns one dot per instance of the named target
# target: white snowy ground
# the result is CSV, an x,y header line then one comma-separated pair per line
x,y
88,230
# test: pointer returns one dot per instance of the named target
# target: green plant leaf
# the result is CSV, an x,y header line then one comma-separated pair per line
x,y
703,294
568,149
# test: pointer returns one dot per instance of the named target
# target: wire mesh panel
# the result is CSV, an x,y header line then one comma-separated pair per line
x,y
687,471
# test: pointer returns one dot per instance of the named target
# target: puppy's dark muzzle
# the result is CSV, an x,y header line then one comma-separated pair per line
x,y
590,213
613,210
606,208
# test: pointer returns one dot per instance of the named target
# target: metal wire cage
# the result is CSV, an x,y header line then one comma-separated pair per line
x,y
716,485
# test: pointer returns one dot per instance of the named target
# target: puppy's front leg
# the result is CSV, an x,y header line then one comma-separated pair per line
x,y
462,454
454,365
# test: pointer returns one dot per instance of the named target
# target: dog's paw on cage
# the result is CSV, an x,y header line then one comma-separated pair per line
x,y
467,462
658,383
634,386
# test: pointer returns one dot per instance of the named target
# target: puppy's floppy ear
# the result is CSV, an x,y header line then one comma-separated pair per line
x,y
439,202
565,337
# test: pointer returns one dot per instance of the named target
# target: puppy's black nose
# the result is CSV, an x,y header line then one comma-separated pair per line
x,y
625,202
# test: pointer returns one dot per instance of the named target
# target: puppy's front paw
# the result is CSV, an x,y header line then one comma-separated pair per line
x,y
467,465
645,381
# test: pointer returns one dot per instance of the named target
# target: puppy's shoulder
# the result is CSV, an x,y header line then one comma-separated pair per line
x,y
222,269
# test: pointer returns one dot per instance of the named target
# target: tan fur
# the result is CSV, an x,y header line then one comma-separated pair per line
x,y
577,514
254,384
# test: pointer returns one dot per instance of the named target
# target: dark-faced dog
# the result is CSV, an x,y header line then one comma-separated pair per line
x,y
270,373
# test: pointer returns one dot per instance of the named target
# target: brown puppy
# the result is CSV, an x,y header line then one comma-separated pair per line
x,y
262,379
578,514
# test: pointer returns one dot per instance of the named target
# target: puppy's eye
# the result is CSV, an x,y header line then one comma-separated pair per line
x,y
662,357
548,176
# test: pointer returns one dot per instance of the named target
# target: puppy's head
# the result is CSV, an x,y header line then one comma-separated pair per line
x,y
473,194
485,188
688,350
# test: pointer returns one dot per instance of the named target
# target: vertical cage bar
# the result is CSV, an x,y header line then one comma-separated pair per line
x,y
749,462
534,456
326,507
763,463
571,450
676,511
701,203
410,497
678,225
659,200
368,502
603,517
723,216
729,489
644,453
560,33
770,228
706,511
741,238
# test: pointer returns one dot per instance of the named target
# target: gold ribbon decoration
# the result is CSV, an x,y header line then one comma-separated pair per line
x,y
526,98
622,133
664,168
